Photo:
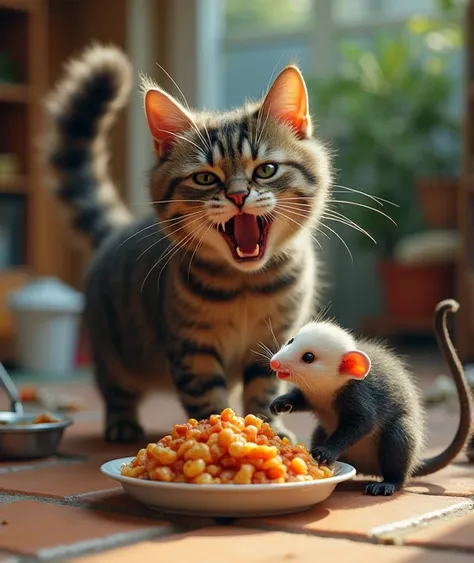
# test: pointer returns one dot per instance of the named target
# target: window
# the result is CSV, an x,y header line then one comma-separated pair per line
x,y
244,17
259,37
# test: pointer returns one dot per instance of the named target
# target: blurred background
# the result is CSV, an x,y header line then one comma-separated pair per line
x,y
391,89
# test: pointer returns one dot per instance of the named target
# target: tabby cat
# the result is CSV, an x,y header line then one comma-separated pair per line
x,y
227,257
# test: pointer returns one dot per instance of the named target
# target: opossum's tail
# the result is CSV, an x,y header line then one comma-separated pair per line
x,y
81,109
441,460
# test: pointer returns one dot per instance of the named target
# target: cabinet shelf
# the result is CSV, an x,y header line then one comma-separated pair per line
x,y
11,279
23,202
17,186
17,5
14,93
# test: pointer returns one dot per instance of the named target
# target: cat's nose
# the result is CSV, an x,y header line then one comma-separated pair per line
x,y
275,365
238,197
237,190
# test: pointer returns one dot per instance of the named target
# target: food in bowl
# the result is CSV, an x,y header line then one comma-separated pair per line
x,y
225,449
43,418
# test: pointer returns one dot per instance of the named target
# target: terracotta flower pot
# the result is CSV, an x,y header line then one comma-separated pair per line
x,y
412,291
438,198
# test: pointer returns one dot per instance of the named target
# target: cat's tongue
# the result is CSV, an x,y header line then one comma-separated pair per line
x,y
246,234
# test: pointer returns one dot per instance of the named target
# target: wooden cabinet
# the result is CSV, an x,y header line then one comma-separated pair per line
x,y
36,38
24,232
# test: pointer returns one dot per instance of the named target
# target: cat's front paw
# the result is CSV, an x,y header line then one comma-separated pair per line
x,y
125,431
323,455
281,405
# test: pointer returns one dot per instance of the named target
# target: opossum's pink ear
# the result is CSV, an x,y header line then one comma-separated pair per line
x,y
355,364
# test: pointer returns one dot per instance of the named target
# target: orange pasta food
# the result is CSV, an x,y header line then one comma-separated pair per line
x,y
225,449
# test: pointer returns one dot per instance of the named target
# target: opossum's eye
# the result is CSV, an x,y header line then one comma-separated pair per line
x,y
308,358
290,341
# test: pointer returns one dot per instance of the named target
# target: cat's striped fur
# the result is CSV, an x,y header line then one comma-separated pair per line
x,y
167,299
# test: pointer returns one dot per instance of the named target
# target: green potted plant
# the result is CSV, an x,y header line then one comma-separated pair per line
x,y
442,36
386,116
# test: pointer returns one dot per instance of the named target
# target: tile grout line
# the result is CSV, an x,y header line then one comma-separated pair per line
x,y
60,460
357,538
99,545
383,535
137,512
395,533
11,556
391,534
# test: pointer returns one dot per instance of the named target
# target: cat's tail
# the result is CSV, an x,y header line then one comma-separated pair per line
x,y
81,109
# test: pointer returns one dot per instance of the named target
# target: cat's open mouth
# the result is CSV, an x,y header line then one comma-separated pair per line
x,y
246,236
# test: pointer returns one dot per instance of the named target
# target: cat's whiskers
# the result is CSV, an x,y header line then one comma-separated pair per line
x,y
167,235
196,249
177,221
173,247
290,210
340,238
137,233
295,201
190,214
339,218
377,199
357,204
188,239
196,231
200,202
277,212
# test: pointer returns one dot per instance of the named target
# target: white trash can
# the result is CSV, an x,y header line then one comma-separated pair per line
x,y
47,314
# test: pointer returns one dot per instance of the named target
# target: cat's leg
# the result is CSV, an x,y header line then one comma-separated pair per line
x,y
261,388
200,382
121,406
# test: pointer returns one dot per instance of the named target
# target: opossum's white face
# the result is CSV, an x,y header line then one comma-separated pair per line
x,y
320,354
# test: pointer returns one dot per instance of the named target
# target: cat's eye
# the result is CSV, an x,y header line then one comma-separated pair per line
x,y
308,357
265,171
290,341
205,178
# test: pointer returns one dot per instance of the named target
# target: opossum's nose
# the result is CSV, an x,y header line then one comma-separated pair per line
x,y
275,365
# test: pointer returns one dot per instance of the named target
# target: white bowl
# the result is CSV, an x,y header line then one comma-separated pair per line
x,y
230,501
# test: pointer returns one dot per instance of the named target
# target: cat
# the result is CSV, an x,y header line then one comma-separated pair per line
x,y
184,297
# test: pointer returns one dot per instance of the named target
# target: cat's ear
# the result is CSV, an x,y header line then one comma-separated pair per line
x,y
287,101
166,119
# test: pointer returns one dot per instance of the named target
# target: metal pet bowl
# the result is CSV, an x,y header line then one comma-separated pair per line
x,y
19,437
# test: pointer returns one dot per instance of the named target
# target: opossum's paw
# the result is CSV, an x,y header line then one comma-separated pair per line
x,y
281,405
323,455
380,489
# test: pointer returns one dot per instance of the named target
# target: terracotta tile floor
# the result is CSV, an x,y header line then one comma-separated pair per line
x,y
63,509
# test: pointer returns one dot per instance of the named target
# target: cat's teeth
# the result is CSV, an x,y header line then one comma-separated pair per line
x,y
241,254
